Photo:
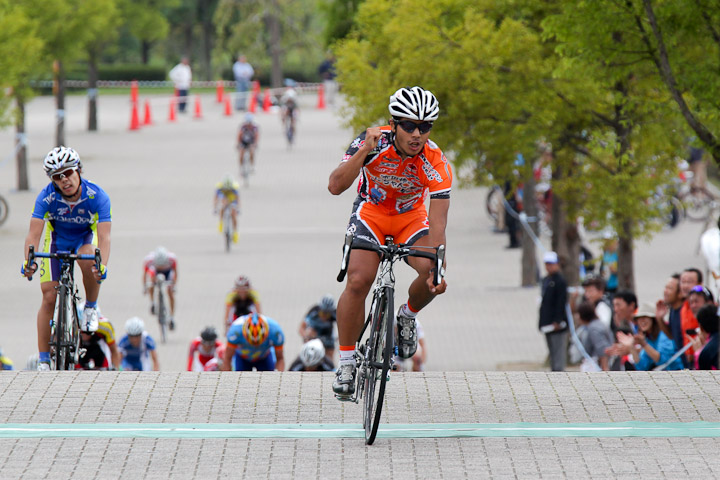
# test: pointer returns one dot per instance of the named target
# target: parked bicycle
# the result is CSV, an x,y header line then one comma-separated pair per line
x,y
65,348
4,209
374,356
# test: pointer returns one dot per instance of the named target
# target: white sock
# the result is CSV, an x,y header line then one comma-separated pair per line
x,y
347,357
407,312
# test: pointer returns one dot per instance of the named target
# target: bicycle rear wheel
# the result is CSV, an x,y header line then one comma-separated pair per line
x,y
227,228
697,204
3,210
379,351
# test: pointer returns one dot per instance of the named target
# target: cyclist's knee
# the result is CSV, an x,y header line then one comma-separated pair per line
x,y
358,284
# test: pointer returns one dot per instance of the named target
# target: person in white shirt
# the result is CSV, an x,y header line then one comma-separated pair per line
x,y
243,72
181,76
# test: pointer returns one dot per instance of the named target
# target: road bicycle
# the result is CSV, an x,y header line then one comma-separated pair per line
x,y
161,309
289,127
227,227
374,356
245,168
4,209
65,348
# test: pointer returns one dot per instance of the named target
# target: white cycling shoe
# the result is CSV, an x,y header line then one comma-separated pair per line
x,y
90,320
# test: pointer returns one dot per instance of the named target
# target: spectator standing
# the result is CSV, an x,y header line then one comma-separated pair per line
x,y
708,319
609,263
181,76
327,73
597,338
698,167
595,294
670,305
689,278
243,72
553,321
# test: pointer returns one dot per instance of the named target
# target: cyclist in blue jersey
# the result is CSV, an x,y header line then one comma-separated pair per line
x,y
137,348
254,341
5,362
76,217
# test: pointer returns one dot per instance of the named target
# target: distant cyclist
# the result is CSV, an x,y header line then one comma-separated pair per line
x,y
312,358
101,351
227,195
206,346
319,322
137,347
5,362
160,261
398,167
240,301
247,141
289,110
76,216
254,341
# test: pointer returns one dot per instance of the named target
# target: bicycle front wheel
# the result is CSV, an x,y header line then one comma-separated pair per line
x,y
162,314
61,339
379,350
697,204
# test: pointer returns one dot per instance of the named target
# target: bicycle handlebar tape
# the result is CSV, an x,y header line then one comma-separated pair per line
x,y
31,259
345,257
439,270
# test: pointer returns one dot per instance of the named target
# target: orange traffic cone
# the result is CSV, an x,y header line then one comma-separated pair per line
x,y
321,98
148,117
134,91
134,117
228,106
253,102
220,91
198,107
266,101
171,115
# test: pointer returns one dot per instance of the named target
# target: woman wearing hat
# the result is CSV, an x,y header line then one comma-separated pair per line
x,y
652,345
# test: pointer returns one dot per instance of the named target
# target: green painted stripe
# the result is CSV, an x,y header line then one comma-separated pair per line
x,y
431,430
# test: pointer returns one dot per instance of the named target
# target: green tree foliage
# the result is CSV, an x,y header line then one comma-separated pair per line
x,y
20,52
340,15
275,35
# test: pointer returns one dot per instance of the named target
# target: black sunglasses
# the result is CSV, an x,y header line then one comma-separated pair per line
x,y
409,126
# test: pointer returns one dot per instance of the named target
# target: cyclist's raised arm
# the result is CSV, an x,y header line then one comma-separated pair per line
x,y
345,174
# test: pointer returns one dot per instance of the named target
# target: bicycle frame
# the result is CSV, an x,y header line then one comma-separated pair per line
x,y
374,356
65,330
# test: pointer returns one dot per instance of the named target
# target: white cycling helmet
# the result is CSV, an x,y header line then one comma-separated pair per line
x,y
60,158
312,353
134,326
249,117
414,103
161,257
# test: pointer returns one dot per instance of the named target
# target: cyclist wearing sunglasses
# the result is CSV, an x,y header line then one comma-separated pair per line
x,y
398,166
76,216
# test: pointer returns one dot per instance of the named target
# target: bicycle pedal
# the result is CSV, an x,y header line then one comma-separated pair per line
x,y
344,398
82,351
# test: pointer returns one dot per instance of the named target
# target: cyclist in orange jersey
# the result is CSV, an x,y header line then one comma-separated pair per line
x,y
398,166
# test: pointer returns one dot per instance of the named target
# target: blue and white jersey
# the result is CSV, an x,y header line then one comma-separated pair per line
x,y
72,220
136,358
245,349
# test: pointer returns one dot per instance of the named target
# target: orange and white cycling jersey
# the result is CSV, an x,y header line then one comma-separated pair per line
x,y
398,186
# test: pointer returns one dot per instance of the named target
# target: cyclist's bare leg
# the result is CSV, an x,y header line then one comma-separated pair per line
x,y
234,219
92,288
171,299
252,155
419,293
45,314
242,156
351,305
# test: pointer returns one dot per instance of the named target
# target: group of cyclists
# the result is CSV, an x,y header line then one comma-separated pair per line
x,y
399,167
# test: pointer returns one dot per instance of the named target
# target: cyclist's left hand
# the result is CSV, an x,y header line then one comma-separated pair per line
x,y
101,274
436,289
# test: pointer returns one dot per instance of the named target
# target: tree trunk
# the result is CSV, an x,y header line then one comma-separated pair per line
x,y
530,274
565,237
21,156
60,102
276,74
92,90
208,29
145,51
626,261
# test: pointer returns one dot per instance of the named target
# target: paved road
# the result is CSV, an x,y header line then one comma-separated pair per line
x,y
161,181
